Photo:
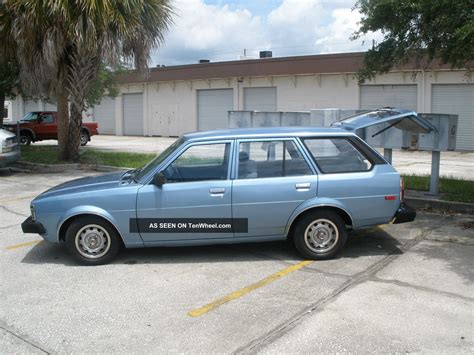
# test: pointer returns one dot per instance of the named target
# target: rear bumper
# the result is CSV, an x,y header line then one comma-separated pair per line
x,y
9,158
30,226
404,214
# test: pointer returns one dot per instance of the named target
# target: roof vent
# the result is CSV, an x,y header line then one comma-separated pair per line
x,y
204,60
266,54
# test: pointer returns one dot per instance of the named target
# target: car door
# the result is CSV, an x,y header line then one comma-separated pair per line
x,y
272,178
46,126
195,201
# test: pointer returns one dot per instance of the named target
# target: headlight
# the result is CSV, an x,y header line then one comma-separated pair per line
x,y
33,212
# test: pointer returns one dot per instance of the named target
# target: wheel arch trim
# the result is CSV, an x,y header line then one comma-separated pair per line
x,y
299,211
82,212
29,130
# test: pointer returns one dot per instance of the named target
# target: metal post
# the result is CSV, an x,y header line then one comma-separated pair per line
x,y
434,180
387,154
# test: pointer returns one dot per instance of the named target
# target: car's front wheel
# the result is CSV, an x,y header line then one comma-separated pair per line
x,y
92,240
320,235
84,138
25,138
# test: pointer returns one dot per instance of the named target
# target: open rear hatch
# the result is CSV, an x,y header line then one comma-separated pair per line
x,y
400,118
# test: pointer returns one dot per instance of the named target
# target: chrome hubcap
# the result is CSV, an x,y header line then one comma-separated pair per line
x,y
321,235
92,241
83,138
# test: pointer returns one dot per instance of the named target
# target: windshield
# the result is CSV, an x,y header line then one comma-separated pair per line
x,y
30,116
142,172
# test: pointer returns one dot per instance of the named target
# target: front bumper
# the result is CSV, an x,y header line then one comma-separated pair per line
x,y
30,226
9,158
404,214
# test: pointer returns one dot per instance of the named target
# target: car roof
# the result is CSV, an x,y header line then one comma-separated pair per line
x,y
266,132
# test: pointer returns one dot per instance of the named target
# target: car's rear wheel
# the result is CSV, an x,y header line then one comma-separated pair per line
x,y
320,235
92,240
84,138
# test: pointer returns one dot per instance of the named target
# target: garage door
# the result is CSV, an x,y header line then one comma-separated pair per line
x,y
104,115
31,106
133,114
376,96
213,107
457,99
260,99
50,107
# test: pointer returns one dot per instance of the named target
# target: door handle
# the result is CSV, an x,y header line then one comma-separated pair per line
x,y
305,186
217,191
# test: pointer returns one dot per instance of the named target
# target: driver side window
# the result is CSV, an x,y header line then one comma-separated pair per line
x,y
200,163
46,118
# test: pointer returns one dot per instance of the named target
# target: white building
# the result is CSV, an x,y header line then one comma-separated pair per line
x,y
172,100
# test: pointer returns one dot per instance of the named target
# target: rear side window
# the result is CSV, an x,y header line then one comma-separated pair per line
x,y
337,155
266,159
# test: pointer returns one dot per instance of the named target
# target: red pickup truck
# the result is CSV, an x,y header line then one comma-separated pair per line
x,y
42,125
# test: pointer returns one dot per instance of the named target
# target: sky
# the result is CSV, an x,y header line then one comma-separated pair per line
x,y
222,30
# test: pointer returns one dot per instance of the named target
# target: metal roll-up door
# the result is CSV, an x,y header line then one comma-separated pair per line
x,y
260,99
31,106
456,99
213,106
377,96
104,115
132,114
50,107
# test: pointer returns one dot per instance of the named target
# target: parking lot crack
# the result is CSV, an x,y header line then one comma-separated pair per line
x,y
421,288
11,211
22,338
366,275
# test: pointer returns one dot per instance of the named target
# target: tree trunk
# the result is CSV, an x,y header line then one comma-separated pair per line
x,y
63,125
75,124
2,103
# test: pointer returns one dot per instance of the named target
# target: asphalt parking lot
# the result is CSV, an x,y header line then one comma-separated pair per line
x,y
395,288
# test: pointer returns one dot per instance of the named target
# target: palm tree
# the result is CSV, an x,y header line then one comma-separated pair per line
x,y
61,45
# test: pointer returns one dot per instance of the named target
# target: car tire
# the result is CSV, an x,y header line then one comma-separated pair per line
x,y
92,241
84,138
25,138
320,235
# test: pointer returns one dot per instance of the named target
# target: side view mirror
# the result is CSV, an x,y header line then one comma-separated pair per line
x,y
159,179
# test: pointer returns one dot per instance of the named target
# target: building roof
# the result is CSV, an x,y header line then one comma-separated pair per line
x,y
310,64
265,132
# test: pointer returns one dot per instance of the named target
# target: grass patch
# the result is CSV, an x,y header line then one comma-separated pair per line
x,y
455,189
120,159
49,155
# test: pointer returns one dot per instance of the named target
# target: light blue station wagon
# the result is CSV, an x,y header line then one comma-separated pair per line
x,y
232,186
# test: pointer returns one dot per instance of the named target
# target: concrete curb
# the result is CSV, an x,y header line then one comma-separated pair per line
x,y
59,168
441,205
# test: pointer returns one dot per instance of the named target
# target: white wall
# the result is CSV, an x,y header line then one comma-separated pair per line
x,y
170,108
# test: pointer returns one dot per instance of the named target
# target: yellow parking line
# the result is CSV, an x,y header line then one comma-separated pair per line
x,y
16,199
21,245
243,291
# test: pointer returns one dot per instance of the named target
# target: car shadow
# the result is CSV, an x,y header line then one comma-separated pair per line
x,y
371,242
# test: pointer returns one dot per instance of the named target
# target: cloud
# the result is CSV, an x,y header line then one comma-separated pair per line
x,y
204,31
221,31
335,37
